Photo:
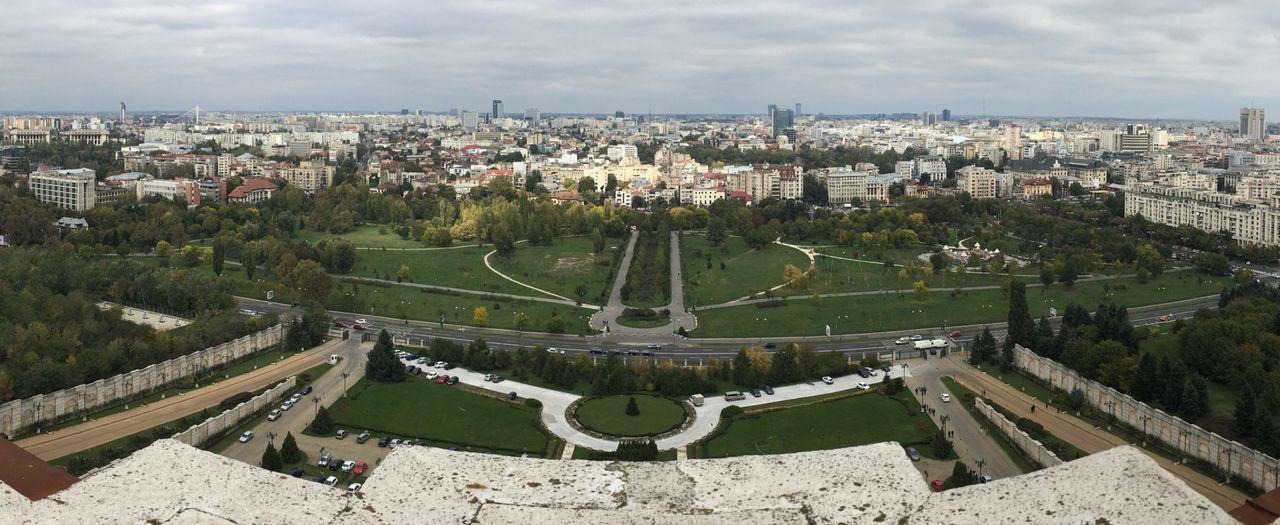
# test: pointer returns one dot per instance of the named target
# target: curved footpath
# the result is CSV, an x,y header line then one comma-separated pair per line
x,y
555,404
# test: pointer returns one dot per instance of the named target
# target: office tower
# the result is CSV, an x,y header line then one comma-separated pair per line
x,y
929,118
1136,139
404,111
946,115
783,119
532,114
418,112
619,114
772,109
497,109
1253,124
797,109
470,120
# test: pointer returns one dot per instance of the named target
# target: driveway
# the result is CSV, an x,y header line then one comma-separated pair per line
x,y
971,442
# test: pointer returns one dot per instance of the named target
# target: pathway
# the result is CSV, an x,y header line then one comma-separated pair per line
x,y
603,319
971,441
1083,435
467,291
95,432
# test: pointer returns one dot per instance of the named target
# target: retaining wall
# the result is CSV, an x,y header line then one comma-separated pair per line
x,y
1227,455
20,415
1034,449
200,433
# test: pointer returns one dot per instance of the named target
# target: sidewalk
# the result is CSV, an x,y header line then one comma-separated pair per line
x,y
1083,435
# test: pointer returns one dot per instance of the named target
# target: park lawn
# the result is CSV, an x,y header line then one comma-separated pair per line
x,y
846,422
453,268
898,256
900,311
837,275
363,236
563,266
608,415
445,416
746,270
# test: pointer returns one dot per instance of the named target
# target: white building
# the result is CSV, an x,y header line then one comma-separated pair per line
x,y
617,152
68,189
1249,220
700,196
979,182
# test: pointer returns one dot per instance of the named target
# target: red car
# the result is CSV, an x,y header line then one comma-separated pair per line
x,y
358,326
442,379
955,333
936,485
360,468
339,324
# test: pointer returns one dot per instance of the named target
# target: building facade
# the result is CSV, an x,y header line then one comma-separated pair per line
x,y
68,189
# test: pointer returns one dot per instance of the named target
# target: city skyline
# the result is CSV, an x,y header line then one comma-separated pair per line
x,y
1046,58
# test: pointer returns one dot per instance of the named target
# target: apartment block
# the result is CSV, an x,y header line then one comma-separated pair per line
x,y
68,189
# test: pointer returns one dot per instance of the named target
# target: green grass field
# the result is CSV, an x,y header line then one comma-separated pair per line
x,y
562,266
836,275
845,422
746,270
445,416
900,311
608,415
454,268
365,236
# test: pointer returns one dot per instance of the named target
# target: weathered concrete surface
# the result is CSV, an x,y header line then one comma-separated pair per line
x,y
172,483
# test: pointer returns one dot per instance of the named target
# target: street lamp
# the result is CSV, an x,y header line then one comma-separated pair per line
x,y
316,400
981,463
344,383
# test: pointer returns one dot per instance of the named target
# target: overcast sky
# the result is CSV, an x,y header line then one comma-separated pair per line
x,y
1151,59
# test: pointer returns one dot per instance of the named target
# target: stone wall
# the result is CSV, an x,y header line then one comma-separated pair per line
x,y
21,415
198,435
1034,449
1195,442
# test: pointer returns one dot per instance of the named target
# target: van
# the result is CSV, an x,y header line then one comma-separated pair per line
x,y
734,395
696,399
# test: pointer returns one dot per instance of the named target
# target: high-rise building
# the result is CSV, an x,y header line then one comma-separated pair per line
x,y
68,189
1136,139
619,114
797,109
497,109
772,108
470,120
532,114
946,115
930,118
782,119
1253,124
404,111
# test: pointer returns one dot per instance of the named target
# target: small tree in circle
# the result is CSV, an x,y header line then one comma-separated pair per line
x,y
289,452
271,459
632,408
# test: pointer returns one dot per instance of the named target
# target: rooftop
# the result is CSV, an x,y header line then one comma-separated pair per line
x,y
169,482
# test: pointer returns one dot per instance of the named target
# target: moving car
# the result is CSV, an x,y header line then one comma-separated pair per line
x,y
916,337
274,415
946,398
654,346
770,346
1165,317
246,436
828,380
913,453
902,341
359,326
362,321
955,333
339,324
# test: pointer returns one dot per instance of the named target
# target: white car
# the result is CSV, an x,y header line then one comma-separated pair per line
x,y
286,406
863,386
902,341
353,488
362,321
916,337
295,397
946,398
488,377
331,481
432,375
439,364
348,465
274,415
828,380
246,436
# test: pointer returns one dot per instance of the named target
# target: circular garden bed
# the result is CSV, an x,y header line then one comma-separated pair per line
x,y
609,415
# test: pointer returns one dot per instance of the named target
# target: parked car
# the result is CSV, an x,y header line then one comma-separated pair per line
x,y
331,481
511,396
946,398
431,376
498,379
442,379
488,378
353,488
318,479
863,386
913,453
335,464
274,415
384,441
246,436
347,466
755,392
886,368
296,472
828,380
984,479
768,389
360,468
936,485
449,366
440,364
286,406
453,380
295,397
364,436
324,459
306,390
395,442
342,434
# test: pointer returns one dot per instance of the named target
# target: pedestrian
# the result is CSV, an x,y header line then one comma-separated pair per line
x,y
1033,409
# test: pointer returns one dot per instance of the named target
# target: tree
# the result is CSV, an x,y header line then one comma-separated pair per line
x,y
1022,329
250,263
382,365
311,281
480,316
1246,412
556,325
920,291
219,257
597,241
715,231
289,452
162,248
984,347
942,447
791,275
323,422
1146,382
271,459
1046,276
404,273
520,321
1007,359
632,408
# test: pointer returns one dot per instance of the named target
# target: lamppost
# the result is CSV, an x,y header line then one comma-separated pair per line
x,y
271,438
981,463
344,383
316,401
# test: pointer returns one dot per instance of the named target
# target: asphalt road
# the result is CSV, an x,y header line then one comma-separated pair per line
x,y
972,444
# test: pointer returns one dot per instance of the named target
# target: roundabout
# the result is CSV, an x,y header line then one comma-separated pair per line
x,y
617,416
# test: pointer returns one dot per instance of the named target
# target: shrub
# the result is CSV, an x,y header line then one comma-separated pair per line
x,y
731,411
231,402
533,403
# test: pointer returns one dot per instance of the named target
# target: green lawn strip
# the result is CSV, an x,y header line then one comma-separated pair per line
x,y
457,268
563,266
966,398
900,311
607,415
363,236
648,278
847,421
444,416
404,302
835,275
746,270
596,455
